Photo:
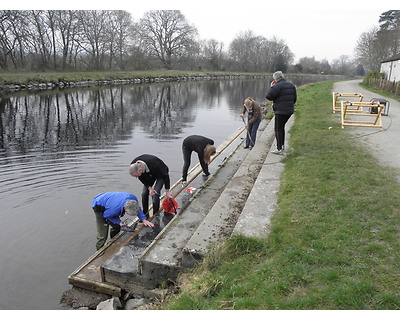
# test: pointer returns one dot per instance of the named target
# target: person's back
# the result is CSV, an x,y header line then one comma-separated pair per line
x,y
284,96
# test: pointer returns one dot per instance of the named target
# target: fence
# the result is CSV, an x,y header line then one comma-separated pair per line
x,y
383,84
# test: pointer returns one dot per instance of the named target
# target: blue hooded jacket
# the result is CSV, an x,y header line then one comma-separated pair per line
x,y
113,204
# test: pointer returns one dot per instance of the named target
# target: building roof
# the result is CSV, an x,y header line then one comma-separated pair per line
x,y
393,58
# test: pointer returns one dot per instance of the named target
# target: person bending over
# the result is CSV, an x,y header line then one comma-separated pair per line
x,y
108,207
203,146
154,174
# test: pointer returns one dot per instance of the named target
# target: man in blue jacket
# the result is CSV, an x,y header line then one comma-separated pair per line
x,y
109,207
284,96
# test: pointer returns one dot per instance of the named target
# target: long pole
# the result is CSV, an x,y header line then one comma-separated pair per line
x,y
248,133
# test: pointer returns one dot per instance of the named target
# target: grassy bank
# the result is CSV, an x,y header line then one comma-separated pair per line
x,y
334,242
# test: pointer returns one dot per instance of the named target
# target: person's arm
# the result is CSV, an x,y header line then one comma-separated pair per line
x,y
143,218
243,111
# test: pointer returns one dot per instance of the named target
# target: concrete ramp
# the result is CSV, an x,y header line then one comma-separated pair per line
x,y
239,198
141,266
222,218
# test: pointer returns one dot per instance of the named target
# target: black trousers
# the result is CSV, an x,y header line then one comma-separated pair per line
x,y
280,122
187,153
155,199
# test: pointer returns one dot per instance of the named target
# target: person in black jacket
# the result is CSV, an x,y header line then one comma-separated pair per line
x,y
284,96
154,174
204,148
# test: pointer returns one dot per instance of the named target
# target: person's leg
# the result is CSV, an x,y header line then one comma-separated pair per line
x,y
284,119
278,135
156,198
145,201
115,229
280,121
247,145
253,131
102,229
186,162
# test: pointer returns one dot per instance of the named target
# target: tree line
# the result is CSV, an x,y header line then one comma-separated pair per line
x,y
64,40
380,43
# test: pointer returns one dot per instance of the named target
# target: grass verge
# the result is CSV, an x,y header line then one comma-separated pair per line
x,y
334,241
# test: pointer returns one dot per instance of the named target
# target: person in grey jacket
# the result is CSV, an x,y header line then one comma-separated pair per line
x,y
284,96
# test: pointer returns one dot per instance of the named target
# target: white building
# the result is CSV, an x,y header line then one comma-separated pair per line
x,y
391,68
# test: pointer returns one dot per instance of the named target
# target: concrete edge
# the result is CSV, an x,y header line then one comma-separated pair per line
x,y
255,219
223,216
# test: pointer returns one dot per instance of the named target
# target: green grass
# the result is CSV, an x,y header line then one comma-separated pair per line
x,y
334,242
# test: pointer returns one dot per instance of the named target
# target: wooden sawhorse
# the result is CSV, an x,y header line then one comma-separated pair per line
x,y
347,110
336,102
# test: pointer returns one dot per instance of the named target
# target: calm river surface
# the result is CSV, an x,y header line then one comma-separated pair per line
x,y
58,149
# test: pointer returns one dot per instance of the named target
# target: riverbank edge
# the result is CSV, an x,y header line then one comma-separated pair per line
x,y
49,81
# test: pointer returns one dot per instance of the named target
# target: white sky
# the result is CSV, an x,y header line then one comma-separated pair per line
x,y
324,29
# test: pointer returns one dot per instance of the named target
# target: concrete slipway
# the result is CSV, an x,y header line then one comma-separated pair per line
x,y
219,209
239,198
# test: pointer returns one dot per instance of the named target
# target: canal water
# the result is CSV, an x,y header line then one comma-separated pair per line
x,y
58,149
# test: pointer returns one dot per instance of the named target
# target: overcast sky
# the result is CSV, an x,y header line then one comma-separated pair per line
x,y
323,29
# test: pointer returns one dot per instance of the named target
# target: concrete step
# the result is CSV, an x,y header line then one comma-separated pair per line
x,y
126,270
162,260
255,219
222,218
239,198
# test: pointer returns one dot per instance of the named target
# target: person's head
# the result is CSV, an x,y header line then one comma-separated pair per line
x,y
131,207
209,150
248,103
135,170
278,75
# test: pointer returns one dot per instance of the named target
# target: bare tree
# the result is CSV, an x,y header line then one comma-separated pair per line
x,y
368,52
93,38
67,23
120,38
166,35
213,54
257,54
343,65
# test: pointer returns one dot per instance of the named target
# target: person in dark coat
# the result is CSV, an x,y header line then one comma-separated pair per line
x,y
254,117
154,174
284,96
203,146
109,207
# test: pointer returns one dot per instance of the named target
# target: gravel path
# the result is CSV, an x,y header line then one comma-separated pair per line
x,y
385,144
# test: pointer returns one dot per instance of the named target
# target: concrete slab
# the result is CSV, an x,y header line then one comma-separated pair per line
x,y
222,218
255,219
125,268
